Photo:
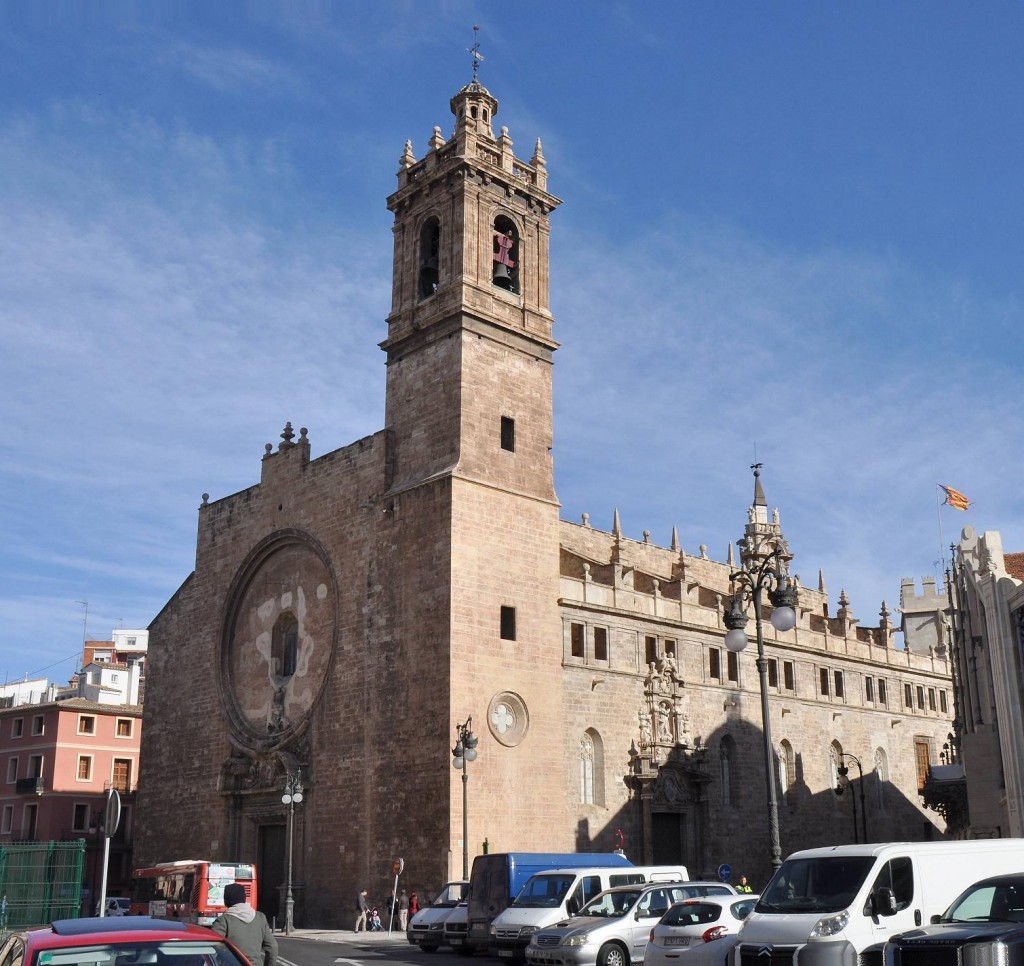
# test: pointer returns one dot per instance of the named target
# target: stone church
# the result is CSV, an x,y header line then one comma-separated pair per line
x,y
347,613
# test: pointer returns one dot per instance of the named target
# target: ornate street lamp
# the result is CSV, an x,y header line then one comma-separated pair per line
x,y
765,557
292,796
844,775
464,752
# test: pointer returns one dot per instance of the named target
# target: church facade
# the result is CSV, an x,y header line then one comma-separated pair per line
x,y
347,613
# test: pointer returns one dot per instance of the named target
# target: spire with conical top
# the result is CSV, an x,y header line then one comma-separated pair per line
x,y
616,524
675,540
761,537
759,499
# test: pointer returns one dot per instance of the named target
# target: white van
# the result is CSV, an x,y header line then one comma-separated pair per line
x,y
839,905
549,897
426,928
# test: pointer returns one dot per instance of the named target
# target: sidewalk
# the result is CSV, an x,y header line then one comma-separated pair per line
x,y
348,936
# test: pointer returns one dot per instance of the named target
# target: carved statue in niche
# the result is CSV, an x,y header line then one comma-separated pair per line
x,y
645,728
278,722
664,724
682,721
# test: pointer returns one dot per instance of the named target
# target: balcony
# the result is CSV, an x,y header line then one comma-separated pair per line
x,y
30,786
122,787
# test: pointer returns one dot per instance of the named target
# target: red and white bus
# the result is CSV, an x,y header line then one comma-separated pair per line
x,y
191,890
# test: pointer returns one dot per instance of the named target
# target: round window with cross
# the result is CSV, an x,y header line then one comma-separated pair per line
x,y
507,718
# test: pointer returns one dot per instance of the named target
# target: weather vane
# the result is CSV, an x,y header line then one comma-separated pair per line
x,y
475,51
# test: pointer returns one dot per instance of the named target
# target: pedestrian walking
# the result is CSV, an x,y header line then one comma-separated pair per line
x,y
246,928
362,909
414,904
403,910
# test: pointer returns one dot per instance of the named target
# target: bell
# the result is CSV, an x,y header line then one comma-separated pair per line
x,y
501,276
428,277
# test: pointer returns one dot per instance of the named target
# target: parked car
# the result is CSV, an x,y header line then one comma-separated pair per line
x,y
988,916
611,930
426,928
116,906
125,939
693,923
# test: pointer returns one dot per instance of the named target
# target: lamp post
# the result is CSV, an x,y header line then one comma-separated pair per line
x,y
764,556
292,796
464,752
844,773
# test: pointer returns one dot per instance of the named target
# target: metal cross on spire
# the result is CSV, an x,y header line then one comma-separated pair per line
x,y
475,52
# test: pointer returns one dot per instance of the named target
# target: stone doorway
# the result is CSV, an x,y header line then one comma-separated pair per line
x,y
270,871
669,839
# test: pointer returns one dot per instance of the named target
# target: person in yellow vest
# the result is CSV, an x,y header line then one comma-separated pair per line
x,y
742,885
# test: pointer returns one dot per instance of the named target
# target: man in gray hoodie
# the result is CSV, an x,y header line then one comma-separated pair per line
x,y
246,928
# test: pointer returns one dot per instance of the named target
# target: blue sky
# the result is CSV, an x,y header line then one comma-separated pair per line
x,y
790,230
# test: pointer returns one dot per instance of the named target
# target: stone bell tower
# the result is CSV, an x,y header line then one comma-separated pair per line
x,y
469,469
470,271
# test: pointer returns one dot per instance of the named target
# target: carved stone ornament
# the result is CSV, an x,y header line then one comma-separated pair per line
x,y
663,721
244,771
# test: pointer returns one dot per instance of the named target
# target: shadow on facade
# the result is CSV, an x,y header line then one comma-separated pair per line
x,y
703,803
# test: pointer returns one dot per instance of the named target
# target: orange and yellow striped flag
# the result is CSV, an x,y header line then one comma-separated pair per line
x,y
955,498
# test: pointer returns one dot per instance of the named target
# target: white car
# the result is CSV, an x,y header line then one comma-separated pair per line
x,y
116,906
693,923
610,930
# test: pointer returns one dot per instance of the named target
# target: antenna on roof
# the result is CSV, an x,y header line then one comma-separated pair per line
x,y
85,620
475,51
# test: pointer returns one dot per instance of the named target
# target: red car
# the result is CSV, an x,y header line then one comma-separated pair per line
x,y
121,941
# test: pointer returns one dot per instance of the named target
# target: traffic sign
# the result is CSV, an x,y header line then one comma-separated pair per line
x,y
112,813
724,872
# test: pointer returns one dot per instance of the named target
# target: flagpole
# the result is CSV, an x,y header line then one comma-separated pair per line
x,y
938,515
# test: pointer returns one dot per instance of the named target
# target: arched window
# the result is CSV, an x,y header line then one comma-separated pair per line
x,y
505,259
591,768
285,645
727,768
430,257
881,778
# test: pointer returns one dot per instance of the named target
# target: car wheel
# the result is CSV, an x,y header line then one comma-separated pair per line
x,y
612,954
427,948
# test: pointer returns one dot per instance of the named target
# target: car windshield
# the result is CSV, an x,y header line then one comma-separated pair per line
x,y
451,895
1000,900
826,883
544,891
611,905
176,953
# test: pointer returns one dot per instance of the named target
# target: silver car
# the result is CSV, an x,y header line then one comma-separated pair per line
x,y
610,930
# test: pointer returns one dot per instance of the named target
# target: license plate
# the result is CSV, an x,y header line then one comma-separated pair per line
x,y
677,941
456,941
505,953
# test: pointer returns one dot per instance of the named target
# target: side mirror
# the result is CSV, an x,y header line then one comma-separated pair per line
x,y
883,902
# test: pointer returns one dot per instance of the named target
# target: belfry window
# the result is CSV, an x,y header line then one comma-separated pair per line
x,y
430,257
505,257
285,645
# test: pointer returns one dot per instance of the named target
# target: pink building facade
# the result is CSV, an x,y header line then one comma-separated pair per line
x,y
57,760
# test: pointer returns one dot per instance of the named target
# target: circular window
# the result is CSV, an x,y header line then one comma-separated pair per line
x,y
507,718
279,638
